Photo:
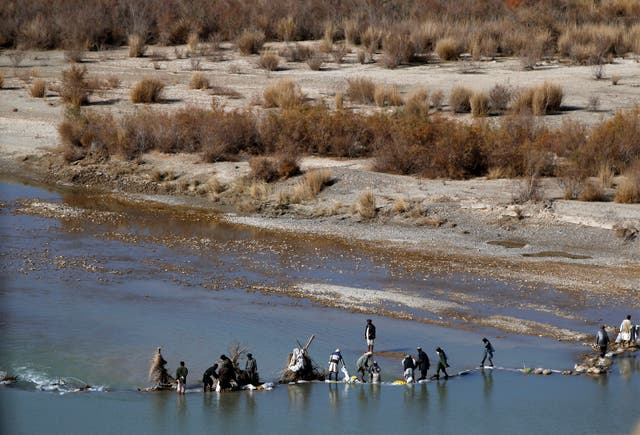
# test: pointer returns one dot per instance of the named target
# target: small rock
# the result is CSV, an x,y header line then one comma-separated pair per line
x,y
538,371
567,372
546,372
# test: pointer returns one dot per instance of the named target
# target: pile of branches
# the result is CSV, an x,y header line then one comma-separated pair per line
x,y
300,366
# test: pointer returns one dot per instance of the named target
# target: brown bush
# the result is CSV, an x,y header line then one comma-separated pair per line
x,y
286,28
417,103
315,62
306,189
269,60
1,79
460,99
263,169
628,191
284,94
288,166
397,49
523,101
500,97
437,99
480,104
547,98
371,38
367,205
75,89
38,88
91,135
338,52
448,48
385,95
147,90
361,90
137,46
592,191
199,81
250,42
298,52
193,41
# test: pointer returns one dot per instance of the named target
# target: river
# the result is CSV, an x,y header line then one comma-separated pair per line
x,y
91,290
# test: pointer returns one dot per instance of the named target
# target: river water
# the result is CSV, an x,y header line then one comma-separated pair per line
x,y
88,298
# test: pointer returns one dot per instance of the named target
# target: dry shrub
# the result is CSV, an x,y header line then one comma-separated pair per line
x,y
547,98
338,52
269,60
38,88
370,39
339,100
448,48
193,41
592,191
315,62
523,101
137,46
628,191
605,175
400,205
1,79
397,49
417,103
75,89
91,135
437,99
500,97
250,42
308,188
460,99
387,96
199,81
288,166
147,90
528,189
286,28
361,90
113,82
480,104
615,142
263,169
615,79
367,205
298,52
284,94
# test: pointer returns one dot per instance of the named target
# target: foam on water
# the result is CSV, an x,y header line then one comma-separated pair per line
x,y
43,381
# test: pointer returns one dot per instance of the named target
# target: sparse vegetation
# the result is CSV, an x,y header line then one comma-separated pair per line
x,y
199,81
137,46
480,104
147,90
628,191
448,49
361,90
387,95
269,60
38,88
284,94
75,89
460,99
367,205
250,42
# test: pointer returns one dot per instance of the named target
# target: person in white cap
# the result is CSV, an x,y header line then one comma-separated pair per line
x,y
334,361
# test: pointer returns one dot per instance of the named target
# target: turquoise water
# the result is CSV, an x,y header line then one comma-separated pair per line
x,y
100,320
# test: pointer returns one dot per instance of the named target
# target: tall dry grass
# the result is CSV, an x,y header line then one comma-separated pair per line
x,y
361,90
38,88
387,95
285,94
460,99
147,90
137,45
250,42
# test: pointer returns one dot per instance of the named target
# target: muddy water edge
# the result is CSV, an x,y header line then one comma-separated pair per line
x,y
92,283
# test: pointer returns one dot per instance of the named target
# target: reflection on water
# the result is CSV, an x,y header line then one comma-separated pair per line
x,y
627,366
487,378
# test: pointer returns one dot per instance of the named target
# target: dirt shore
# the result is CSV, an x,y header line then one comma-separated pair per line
x,y
444,226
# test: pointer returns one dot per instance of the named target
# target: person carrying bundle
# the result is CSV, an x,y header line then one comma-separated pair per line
x,y
334,361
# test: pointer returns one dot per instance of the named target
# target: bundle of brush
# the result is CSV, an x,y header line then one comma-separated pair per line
x,y
158,372
237,351
300,366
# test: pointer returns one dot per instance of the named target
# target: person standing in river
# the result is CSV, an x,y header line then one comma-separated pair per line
x,y
369,335
602,340
251,368
181,377
423,363
208,376
334,362
625,331
488,352
443,363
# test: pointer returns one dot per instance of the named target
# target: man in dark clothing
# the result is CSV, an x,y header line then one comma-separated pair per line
x,y
181,377
375,370
209,375
488,352
369,335
442,363
602,340
408,366
423,363
252,369
226,372
362,365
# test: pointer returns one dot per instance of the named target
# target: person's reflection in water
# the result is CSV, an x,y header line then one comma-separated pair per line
x,y
299,397
362,394
487,377
181,404
159,404
409,393
626,368
334,396
251,404
442,394
375,392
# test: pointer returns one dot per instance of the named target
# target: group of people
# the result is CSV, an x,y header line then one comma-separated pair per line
x,y
366,365
221,375
628,335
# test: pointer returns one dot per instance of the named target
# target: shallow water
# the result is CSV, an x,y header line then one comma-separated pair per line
x,y
93,302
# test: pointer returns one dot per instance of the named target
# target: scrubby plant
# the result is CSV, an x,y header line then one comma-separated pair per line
x,y
263,169
1,79
361,90
199,81
298,52
250,42
460,99
417,103
269,60
306,189
286,28
480,104
592,191
500,97
137,45
367,205
147,90
437,99
315,61
628,191
38,88
397,49
387,95
338,52
284,94
615,79
193,41
75,89
448,48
